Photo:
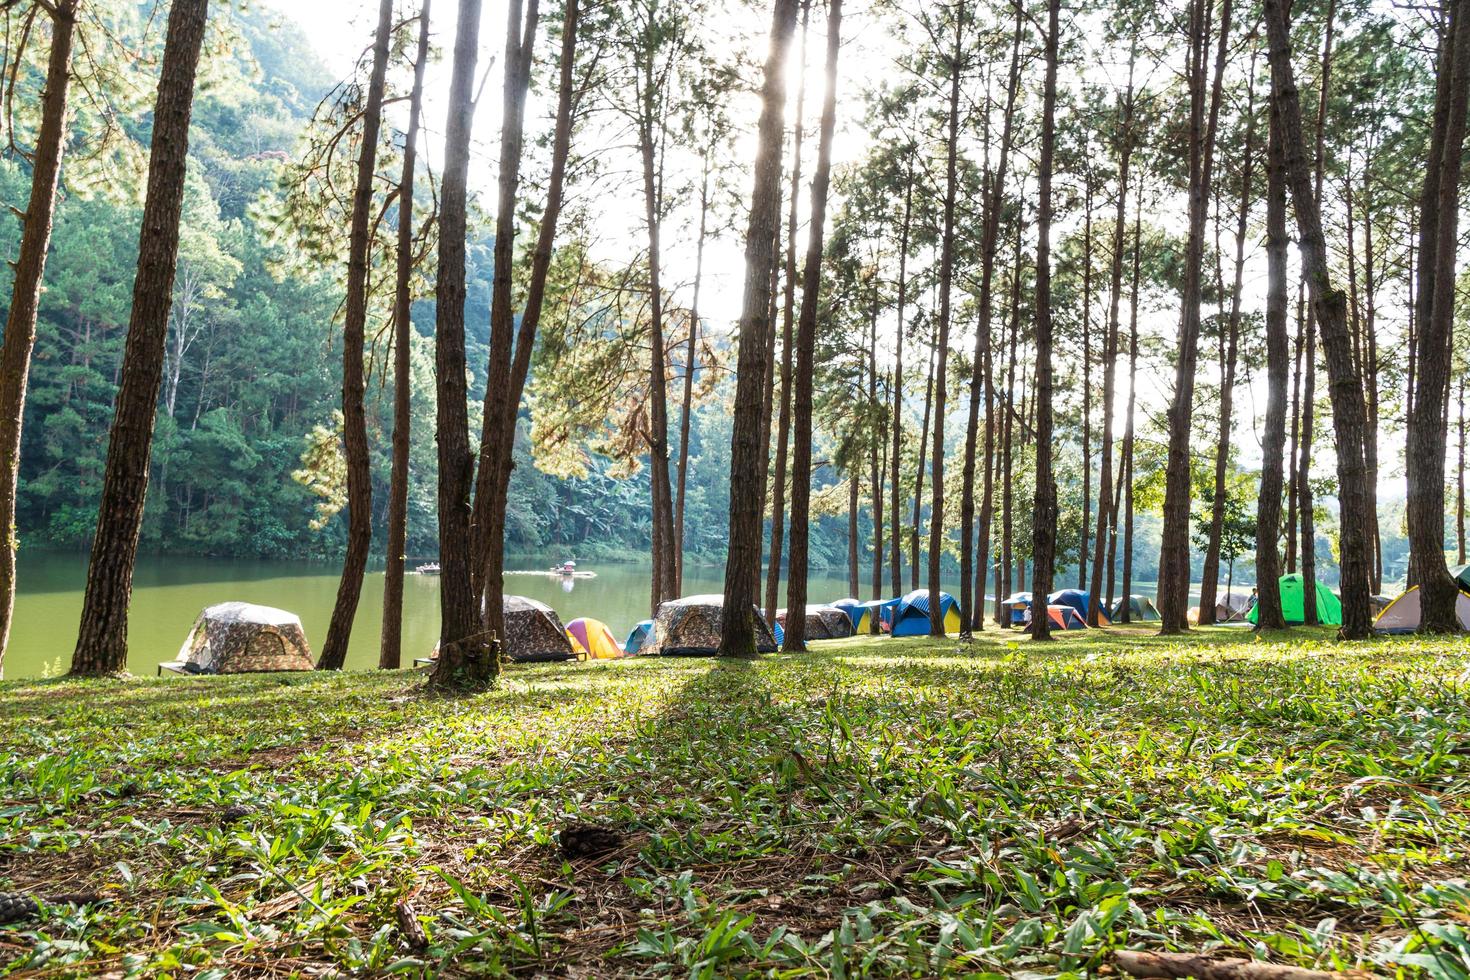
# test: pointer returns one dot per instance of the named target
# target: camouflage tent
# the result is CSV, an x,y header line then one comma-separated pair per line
x,y
823,622
242,638
690,627
533,632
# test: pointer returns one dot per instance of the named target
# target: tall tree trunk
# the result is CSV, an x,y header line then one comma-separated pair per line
x,y
1330,306
465,658
1269,614
102,640
517,64
354,411
1460,483
1044,508
806,339
1125,469
1174,558
737,627
1370,368
25,294
658,448
875,443
1210,579
854,497
788,334
1306,505
919,471
1435,303
1007,488
972,601
686,412
895,462
389,650
946,280
1107,512
493,484
1307,545
1084,530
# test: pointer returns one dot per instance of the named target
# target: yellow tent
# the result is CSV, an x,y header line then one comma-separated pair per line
x,y
592,640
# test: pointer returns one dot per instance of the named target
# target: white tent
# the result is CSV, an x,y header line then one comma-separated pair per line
x,y
1404,613
242,638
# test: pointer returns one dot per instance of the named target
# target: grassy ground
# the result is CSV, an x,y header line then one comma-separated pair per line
x,y
875,807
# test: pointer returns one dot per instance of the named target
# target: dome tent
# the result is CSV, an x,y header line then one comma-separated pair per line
x,y
1232,607
1293,603
638,636
1065,617
592,640
690,627
911,618
1404,614
242,638
1078,600
1141,609
822,622
533,632
1018,603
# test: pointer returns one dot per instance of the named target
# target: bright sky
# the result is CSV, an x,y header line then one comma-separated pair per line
x,y
341,29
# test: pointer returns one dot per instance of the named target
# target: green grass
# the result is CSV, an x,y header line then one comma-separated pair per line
x,y
876,807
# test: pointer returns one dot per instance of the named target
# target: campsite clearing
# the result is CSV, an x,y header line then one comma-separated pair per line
x,y
890,805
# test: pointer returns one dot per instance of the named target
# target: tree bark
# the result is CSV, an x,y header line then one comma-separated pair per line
x,y
737,627
691,353
788,334
854,495
1126,467
497,447
1330,305
1305,507
895,476
1460,482
102,640
946,280
1269,614
1007,490
389,652
354,410
25,294
1435,304
875,443
1044,507
806,338
1107,517
1211,577
974,564
919,472
1174,557
465,659
491,514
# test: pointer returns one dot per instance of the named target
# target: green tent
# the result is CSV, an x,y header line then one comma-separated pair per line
x,y
1293,595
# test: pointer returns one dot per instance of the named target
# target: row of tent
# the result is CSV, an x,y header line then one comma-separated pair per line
x,y
241,637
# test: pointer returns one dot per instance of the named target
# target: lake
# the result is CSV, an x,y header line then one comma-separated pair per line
x,y
169,592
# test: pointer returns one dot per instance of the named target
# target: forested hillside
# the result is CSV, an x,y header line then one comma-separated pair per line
x,y
252,379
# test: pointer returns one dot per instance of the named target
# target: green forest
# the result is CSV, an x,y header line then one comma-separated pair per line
x,y
783,489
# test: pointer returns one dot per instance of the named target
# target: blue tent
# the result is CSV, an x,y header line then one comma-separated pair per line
x,y
911,617
1077,599
639,635
1018,603
780,633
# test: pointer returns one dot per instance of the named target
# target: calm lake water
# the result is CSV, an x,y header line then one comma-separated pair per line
x,y
169,592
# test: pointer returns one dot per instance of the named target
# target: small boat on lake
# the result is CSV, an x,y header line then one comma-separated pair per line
x,y
428,568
